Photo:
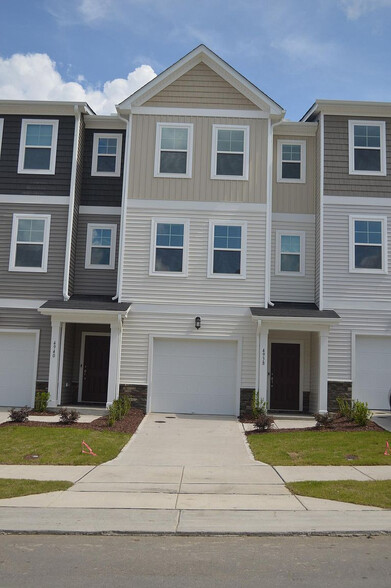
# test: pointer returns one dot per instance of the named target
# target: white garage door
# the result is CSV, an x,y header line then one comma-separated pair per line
x,y
194,376
373,371
17,368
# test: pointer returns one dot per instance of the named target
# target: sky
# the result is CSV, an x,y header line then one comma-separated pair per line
x,y
101,51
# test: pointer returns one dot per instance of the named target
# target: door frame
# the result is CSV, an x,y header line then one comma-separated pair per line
x,y
301,367
85,334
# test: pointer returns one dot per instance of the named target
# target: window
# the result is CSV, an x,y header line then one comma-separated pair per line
x,y
106,154
368,251
29,243
367,150
291,161
174,150
1,132
290,253
100,248
227,250
169,247
230,152
38,146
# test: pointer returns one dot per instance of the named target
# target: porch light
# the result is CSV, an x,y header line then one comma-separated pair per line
x,y
197,322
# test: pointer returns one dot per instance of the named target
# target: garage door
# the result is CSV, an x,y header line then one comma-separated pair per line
x,y
373,371
17,368
194,377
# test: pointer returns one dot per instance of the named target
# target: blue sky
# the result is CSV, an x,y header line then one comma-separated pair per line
x,y
102,50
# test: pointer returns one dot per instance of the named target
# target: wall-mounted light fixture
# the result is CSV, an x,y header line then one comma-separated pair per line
x,y
197,322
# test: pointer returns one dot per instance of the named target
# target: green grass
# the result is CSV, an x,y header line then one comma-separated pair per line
x,y
318,448
376,493
9,488
58,446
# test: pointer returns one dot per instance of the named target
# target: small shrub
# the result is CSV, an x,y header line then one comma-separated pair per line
x,y
119,409
258,405
19,415
344,407
324,419
263,422
360,413
68,416
41,401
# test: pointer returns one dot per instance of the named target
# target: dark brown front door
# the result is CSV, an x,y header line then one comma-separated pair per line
x,y
285,376
95,368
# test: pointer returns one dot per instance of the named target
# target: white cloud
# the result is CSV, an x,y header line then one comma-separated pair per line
x,y
34,77
354,9
308,51
92,10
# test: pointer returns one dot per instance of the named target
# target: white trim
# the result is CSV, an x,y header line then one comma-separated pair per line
x,y
357,201
84,334
296,323
296,218
208,112
321,212
124,205
341,304
301,344
195,205
45,244
76,315
292,128
352,244
26,199
61,363
118,153
20,303
53,146
301,235
105,210
1,132
185,247
101,122
113,243
246,147
243,249
269,209
303,158
383,163
188,150
191,309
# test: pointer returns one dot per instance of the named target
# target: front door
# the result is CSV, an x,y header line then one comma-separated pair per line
x,y
95,368
285,376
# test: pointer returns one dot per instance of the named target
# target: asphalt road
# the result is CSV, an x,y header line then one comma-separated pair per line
x,y
194,562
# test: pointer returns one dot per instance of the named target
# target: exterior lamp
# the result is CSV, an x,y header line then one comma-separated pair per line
x,y
197,322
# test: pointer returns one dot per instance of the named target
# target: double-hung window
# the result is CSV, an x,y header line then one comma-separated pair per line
x,y
106,154
367,147
291,161
230,147
169,247
290,253
227,254
38,146
368,247
1,132
29,243
174,148
100,248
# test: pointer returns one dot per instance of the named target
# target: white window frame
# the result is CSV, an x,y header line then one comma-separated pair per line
x,y
278,270
185,247
303,159
189,150
352,243
246,147
90,228
1,132
53,147
383,163
118,155
243,249
45,245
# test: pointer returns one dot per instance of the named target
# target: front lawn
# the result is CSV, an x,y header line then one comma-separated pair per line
x,y
373,493
10,488
321,448
58,445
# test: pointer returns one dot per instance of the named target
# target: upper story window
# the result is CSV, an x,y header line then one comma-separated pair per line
x,y
106,154
368,244
291,161
38,146
227,250
29,243
100,247
169,247
290,253
1,132
367,147
230,147
174,150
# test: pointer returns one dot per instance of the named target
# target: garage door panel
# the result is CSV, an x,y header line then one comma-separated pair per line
x,y
17,368
373,371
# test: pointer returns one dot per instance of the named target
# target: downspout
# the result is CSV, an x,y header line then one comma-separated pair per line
x,y
321,213
258,358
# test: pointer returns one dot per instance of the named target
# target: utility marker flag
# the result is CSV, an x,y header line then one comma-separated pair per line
x,y
90,452
388,449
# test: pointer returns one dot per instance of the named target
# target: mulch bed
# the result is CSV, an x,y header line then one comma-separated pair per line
x,y
340,424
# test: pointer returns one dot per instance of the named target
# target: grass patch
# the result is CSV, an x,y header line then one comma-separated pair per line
x,y
10,488
372,493
58,445
321,448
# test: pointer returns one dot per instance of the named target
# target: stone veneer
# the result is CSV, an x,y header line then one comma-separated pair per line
x,y
137,394
246,395
335,390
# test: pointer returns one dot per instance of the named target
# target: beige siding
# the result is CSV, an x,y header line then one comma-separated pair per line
x,y
295,197
199,187
201,87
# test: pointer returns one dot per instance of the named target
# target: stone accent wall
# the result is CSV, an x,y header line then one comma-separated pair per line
x,y
335,390
306,402
137,394
246,395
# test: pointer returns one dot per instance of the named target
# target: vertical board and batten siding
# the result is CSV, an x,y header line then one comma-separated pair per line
x,y
295,197
18,318
139,286
201,87
338,282
34,284
337,180
94,281
288,288
78,188
200,187
139,326
57,184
